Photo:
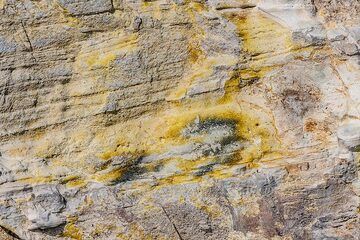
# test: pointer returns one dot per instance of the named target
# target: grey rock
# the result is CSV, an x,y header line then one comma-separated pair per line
x,y
86,7
349,136
44,210
7,46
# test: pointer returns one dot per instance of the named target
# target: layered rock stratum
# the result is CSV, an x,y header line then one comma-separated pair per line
x,y
179,119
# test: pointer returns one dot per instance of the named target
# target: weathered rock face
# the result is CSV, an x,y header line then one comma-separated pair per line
x,y
177,119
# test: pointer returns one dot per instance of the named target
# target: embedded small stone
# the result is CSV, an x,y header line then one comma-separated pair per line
x,y
349,136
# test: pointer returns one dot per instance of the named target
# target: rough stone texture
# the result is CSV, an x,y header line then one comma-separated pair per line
x,y
177,119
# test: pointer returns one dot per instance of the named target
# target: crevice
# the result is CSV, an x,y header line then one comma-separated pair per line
x,y
28,40
87,14
27,36
244,6
112,6
174,226
233,213
5,91
9,232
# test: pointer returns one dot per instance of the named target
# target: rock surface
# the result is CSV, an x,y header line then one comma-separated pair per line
x,y
179,119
